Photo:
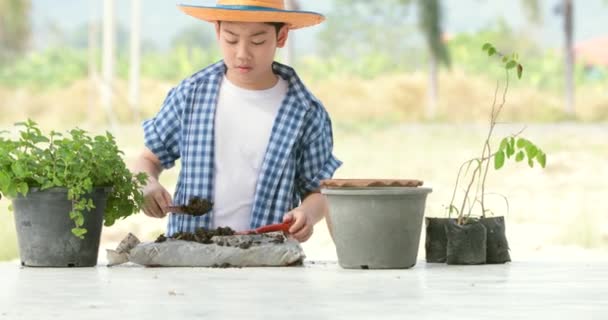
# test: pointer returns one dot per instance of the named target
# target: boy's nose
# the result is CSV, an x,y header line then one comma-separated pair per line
x,y
243,52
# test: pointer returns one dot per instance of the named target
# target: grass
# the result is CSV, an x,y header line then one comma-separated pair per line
x,y
386,99
380,133
562,204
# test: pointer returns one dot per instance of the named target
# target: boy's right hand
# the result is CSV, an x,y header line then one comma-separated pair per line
x,y
156,198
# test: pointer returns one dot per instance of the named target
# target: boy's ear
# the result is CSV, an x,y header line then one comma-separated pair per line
x,y
282,36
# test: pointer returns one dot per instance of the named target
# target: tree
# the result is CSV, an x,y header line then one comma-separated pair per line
x,y
108,62
368,25
430,20
361,28
565,8
291,42
135,58
14,28
568,12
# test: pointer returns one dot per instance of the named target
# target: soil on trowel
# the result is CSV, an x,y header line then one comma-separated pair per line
x,y
196,207
200,235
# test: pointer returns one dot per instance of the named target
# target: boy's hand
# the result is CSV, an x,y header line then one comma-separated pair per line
x,y
156,198
302,226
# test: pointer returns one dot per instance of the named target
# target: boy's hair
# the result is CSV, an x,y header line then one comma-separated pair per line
x,y
277,25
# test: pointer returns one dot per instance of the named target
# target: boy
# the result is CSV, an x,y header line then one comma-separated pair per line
x,y
251,138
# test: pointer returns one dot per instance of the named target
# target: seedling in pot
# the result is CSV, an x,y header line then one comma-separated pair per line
x,y
513,147
475,238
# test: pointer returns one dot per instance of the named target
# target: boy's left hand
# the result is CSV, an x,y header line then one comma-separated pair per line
x,y
302,225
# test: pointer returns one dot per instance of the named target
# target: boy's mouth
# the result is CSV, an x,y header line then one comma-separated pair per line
x,y
243,69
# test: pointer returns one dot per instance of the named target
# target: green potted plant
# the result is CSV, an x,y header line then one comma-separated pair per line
x,y
63,187
478,238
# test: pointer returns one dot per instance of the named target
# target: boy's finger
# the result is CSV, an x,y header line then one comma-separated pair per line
x,y
288,217
157,207
303,234
299,223
167,198
150,211
159,200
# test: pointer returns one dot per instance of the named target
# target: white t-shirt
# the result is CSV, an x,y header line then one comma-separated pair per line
x,y
243,123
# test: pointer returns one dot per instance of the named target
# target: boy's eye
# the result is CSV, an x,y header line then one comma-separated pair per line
x,y
231,42
258,43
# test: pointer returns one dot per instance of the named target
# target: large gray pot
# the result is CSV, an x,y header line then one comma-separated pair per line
x,y
44,229
376,227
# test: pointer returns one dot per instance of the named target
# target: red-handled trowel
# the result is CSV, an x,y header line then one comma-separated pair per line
x,y
269,228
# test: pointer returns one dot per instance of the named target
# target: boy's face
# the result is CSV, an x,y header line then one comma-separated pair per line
x,y
249,49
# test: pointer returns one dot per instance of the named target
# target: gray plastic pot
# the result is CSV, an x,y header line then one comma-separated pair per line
x,y
44,229
376,227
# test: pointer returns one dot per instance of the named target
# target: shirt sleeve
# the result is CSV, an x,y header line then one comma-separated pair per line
x,y
162,134
316,161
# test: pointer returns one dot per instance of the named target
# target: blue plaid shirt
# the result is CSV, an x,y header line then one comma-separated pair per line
x,y
298,156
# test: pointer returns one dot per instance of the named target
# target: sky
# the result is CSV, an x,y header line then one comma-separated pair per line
x,y
161,19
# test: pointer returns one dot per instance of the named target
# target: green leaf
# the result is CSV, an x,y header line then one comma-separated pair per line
x,y
510,150
486,46
18,169
22,188
79,232
532,151
79,220
504,144
499,160
491,51
520,156
542,159
522,143
511,64
5,181
38,139
531,163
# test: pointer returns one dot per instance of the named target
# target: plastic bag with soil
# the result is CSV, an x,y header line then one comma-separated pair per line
x,y
436,242
496,240
466,243
251,250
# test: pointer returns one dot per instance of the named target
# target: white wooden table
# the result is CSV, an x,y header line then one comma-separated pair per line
x,y
318,290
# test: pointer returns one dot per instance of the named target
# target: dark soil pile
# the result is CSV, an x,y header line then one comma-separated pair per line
x,y
200,235
204,236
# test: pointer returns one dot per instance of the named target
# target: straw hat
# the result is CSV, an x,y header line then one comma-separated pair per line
x,y
253,11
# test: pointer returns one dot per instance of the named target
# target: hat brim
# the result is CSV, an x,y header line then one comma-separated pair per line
x,y
294,19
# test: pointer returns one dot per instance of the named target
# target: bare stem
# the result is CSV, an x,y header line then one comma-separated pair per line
x,y
492,125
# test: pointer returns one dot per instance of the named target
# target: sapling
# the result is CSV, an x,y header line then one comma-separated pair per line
x,y
514,146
